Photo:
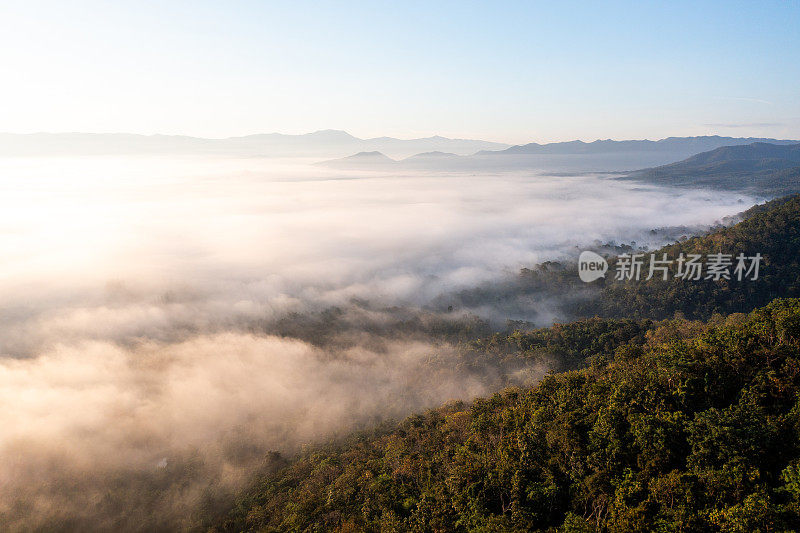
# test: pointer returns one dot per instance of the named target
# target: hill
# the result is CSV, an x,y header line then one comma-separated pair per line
x,y
435,160
760,168
688,145
365,160
674,423
578,156
692,426
772,230
435,156
553,289
324,143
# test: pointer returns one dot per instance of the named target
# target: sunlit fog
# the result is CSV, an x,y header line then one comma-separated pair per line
x,y
410,266
145,304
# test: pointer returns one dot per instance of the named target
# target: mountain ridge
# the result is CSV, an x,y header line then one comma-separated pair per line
x,y
578,156
376,160
610,145
765,168
321,143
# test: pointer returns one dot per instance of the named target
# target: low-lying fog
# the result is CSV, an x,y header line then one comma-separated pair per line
x,y
145,365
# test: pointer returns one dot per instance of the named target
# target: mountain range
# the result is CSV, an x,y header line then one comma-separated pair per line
x,y
324,143
568,157
380,161
766,169
690,145
434,153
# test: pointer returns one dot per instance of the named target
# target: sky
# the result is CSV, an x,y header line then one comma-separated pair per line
x,y
505,71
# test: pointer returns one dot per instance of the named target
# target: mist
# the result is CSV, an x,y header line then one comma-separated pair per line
x,y
164,318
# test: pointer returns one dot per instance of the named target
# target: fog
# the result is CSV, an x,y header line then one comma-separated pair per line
x,y
162,318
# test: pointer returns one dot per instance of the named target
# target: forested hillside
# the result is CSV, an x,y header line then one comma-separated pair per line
x,y
691,427
772,230
687,423
765,169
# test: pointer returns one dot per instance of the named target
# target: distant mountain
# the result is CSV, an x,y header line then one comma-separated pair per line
x,y
432,155
690,145
763,168
379,161
324,143
757,151
577,156
367,160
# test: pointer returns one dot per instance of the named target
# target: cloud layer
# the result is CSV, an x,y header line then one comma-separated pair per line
x,y
164,321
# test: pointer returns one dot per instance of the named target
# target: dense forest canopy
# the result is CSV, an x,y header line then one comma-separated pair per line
x,y
684,416
678,425
771,230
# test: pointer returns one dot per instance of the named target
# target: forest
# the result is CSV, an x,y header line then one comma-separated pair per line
x,y
676,425
682,416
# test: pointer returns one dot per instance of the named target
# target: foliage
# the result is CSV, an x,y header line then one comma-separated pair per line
x,y
676,412
772,230
689,427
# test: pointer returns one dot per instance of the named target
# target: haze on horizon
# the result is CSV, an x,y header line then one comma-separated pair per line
x,y
513,72
167,320
172,318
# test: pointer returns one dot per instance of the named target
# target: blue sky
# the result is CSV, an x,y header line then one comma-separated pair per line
x,y
506,71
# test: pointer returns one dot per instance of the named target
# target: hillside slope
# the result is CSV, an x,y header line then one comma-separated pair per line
x,y
554,290
678,424
323,143
772,230
760,168
686,145
695,428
